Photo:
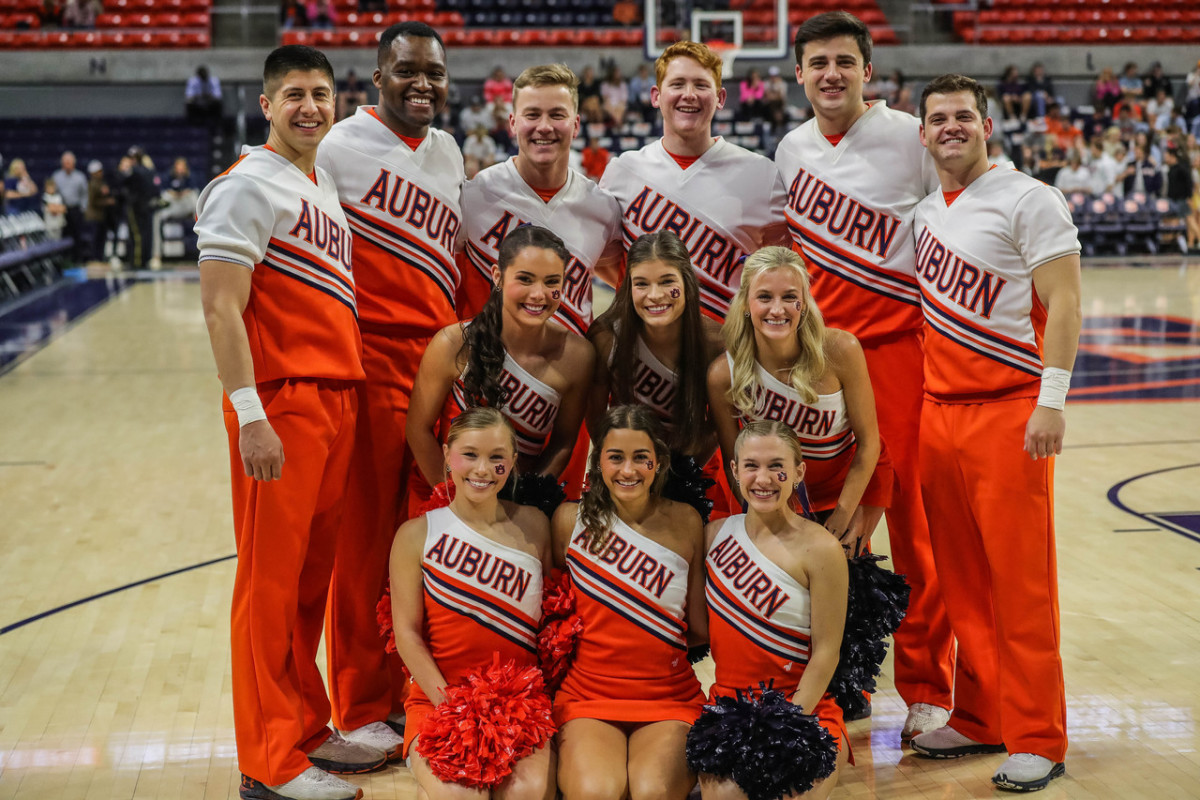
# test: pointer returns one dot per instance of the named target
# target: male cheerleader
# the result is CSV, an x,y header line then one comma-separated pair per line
x,y
399,182
854,173
723,201
998,269
537,187
278,296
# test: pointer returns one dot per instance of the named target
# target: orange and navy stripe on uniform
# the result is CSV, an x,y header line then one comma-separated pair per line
x,y
268,216
405,208
984,319
587,218
854,225
530,405
727,204
621,593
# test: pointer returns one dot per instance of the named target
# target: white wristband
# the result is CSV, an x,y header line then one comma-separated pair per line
x,y
1055,383
248,406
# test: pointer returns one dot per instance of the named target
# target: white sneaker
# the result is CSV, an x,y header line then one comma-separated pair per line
x,y
923,718
312,784
1026,772
378,735
946,742
341,757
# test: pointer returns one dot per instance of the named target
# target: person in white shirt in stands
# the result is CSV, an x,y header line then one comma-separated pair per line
x,y
1074,177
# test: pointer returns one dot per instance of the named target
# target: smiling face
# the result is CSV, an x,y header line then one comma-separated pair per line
x,y
479,461
544,122
832,73
413,84
766,471
657,292
628,464
954,132
301,112
531,285
776,301
688,98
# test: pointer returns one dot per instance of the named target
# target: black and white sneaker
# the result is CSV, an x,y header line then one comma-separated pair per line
x,y
1026,772
312,784
945,742
342,757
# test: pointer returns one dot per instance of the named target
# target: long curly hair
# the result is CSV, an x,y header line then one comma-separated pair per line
x,y
482,347
739,333
596,508
690,406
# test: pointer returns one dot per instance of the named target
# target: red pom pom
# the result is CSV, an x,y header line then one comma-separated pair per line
x,y
383,616
486,724
557,643
558,599
443,493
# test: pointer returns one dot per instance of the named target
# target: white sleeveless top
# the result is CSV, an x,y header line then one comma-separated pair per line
x,y
531,406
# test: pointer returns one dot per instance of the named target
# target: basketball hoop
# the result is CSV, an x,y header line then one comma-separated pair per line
x,y
727,52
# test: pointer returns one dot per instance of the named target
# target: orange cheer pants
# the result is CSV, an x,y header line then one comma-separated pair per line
x,y
991,510
285,544
365,683
924,644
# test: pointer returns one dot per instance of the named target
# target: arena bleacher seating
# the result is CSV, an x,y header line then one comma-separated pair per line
x,y
1081,21
158,24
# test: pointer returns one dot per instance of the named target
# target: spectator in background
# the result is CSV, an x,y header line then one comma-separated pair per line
x,y
1106,170
1011,92
1040,89
351,94
615,95
1094,126
202,98
1058,128
321,14
1154,81
177,201
499,127
100,215
475,115
1180,188
54,211
1141,174
499,86
1132,90
81,14
1191,108
589,86
594,159
479,151
1160,110
20,190
639,91
1074,177
1106,91
293,14
776,94
140,187
997,156
51,13
72,185
752,94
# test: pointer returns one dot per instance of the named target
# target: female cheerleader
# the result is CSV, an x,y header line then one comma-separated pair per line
x,y
635,559
467,584
511,356
783,364
653,345
776,593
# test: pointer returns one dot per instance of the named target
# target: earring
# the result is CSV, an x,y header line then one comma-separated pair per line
x,y
746,315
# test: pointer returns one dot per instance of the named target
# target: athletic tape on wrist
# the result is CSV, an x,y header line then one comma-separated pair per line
x,y
248,406
1055,383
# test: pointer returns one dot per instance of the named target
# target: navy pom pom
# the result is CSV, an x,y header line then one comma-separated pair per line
x,y
768,746
876,606
542,492
686,484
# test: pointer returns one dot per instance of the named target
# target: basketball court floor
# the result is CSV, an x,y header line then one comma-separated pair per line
x,y
118,562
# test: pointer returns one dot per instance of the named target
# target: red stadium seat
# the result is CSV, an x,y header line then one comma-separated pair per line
x,y
6,39
195,19
169,20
